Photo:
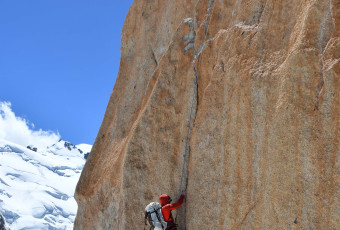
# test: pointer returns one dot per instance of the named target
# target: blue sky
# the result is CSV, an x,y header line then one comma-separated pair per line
x,y
59,60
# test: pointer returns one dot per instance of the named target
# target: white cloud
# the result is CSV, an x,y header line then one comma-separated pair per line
x,y
20,131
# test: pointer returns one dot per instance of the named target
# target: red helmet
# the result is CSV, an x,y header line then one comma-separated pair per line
x,y
164,199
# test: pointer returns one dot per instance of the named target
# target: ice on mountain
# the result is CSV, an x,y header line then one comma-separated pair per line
x,y
37,188
86,149
9,216
58,195
9,148
3,192
3,182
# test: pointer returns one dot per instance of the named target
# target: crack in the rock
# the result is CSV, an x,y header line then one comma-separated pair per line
x,y
154,57
257,14
319,90
262,9
194,115
252,206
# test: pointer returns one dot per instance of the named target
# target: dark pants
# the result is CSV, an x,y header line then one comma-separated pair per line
x,y
171,226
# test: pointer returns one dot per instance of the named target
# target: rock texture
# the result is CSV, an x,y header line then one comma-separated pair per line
x,y
264,142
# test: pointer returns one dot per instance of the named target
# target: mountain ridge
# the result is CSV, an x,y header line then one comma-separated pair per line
x,y
37,185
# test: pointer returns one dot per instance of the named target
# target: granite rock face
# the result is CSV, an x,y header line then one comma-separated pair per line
x,y
264,146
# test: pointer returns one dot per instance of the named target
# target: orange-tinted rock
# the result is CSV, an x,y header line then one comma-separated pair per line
x,y
264,143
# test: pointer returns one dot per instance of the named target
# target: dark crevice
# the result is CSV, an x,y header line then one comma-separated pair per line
x,y
263,6
319,89
194,111
257,13
153,57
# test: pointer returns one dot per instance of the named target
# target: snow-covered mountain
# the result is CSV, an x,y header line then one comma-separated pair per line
x,y
37,185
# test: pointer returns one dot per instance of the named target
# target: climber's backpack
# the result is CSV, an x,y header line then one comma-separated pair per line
x,y
153,216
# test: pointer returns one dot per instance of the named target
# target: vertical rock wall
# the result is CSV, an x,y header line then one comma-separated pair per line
x,y
264,145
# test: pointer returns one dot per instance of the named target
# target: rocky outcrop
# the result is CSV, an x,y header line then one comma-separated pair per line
x,y
2,223
263,149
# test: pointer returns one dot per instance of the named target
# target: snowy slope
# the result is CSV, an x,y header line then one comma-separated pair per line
x,y
37,187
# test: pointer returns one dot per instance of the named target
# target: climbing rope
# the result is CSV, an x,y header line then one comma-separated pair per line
x,y
185,161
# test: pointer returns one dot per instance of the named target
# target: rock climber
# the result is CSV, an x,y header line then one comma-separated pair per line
x,y
165,202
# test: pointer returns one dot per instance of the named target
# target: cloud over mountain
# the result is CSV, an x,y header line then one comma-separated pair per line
x,y
18,130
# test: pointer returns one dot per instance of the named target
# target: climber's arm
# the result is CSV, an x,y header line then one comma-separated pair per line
x,y
177,204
